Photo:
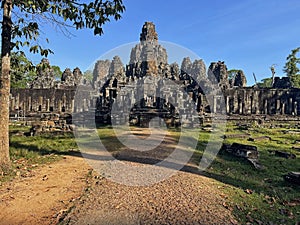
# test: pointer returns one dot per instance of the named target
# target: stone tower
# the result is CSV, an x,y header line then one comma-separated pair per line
x,y
46,76
148,56
116,67
218,74
148,33
100,72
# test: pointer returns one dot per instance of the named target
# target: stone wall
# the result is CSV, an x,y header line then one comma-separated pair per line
x,y
268,101
150,86
27,102
42,100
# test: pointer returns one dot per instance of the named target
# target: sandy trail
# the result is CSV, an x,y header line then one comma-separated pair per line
x,y
184,198
43,197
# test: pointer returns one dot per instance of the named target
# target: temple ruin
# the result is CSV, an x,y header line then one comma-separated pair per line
x,y
149,86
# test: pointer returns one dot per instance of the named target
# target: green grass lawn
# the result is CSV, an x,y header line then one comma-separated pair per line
x,y
255,196
260,196
29,152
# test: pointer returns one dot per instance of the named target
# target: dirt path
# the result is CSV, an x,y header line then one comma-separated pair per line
x,y
46,195
184,198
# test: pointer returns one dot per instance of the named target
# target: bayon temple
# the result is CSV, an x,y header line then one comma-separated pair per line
x,y
149,86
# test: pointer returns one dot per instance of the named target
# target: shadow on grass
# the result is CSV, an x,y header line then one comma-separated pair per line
x,y
228,169
225,168
44,151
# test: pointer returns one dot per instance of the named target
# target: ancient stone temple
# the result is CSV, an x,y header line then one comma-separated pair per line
x,y
70,78
218,74
46,94
46,76
148,57
149,86
101,69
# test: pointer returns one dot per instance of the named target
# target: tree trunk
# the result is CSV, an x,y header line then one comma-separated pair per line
x,y
5,85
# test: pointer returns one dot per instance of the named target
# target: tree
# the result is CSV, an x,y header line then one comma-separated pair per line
x,y
88,75
291,69
236,78
57,72
265,83
232,73
23,29
5,84
22,70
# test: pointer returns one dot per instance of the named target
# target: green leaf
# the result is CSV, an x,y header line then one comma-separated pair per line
x,y
53,9
34,49
92,15
98,30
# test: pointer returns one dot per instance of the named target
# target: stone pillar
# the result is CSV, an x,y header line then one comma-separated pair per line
x,y
251,110
17,101
246,103
290,106
278,104
64,100
90,103
214,104
283,108
227,105
266,106
295,108
29,103
235,104
240,106
257,105
59,109
47,104
12,103
255,102
24,109
84,105
249,105
72,105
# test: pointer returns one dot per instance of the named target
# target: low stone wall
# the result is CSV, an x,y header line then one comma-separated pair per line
x,y
256,103
24,102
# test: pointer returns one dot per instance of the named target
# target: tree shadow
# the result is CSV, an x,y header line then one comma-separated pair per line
x,y
154,157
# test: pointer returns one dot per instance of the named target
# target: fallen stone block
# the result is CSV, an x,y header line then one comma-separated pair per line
x,y
245,151
242,136
225,147
296,148
248,152
286,155
256,164
296,132
261,138
292,177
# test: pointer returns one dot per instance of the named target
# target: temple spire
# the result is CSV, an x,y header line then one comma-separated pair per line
x,y
148,32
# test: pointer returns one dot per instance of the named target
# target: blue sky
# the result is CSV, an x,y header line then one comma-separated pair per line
x,y
250,35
